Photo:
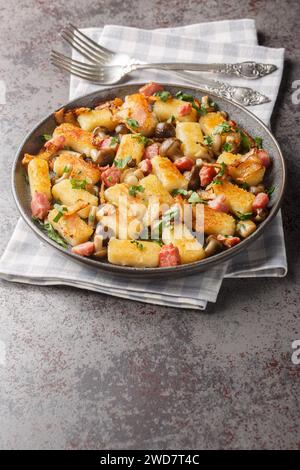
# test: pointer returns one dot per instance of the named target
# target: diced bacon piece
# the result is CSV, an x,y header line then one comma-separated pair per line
x,y
219,204
185,109
146,166
207,173
261,201
184,163
264,158
57,141
84,249
40,205
169,256
151,151
111,176
229,242
150,88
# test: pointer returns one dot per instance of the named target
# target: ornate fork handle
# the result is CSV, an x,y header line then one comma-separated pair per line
x,y
242,95
249,70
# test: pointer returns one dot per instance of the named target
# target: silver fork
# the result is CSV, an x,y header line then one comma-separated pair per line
x,y
100,55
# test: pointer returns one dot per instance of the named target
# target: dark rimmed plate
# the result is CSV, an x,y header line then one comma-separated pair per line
x,y
276,177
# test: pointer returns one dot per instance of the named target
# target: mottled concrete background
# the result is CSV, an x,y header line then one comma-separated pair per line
x,y
84,370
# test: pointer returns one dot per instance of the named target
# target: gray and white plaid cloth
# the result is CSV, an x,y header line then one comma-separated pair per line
x,y
27,260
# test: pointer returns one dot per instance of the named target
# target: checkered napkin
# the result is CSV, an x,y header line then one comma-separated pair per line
x,y
27,260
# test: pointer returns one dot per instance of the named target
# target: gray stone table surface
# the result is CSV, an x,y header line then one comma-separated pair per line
x,y
83,370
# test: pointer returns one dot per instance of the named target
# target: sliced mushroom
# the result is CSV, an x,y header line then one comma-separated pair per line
x,y
216,143
257,189
122,129
104,156
213,246
194,180
164,130
244,228
261,214
171,148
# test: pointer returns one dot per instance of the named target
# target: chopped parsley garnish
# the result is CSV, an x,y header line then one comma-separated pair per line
x,y
66,169
195,198
222,170
259,142
227,147
122,162
222,128
113,141
181,191
270,190
245,142
245,216
244,185
49,230
165,221
180,95
135,189
216,181
132,123
208,140
163,95
46,137
139,245
60,212
78,184
142,139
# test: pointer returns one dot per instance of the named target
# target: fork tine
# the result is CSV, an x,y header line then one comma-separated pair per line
x,y
82,65
89,72
82,49
74,71
96,47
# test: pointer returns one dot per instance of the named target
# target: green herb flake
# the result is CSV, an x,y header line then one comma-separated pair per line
x,y
133,123
227,147
270,191
114,141
66,169
180,95
222,170
142,139
259,142
78,184
245,142
135,189
216,181
121,163
181,191
208,140
46,137
163,95
60,212
222,128
49,230
195,198
139,245
245,216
